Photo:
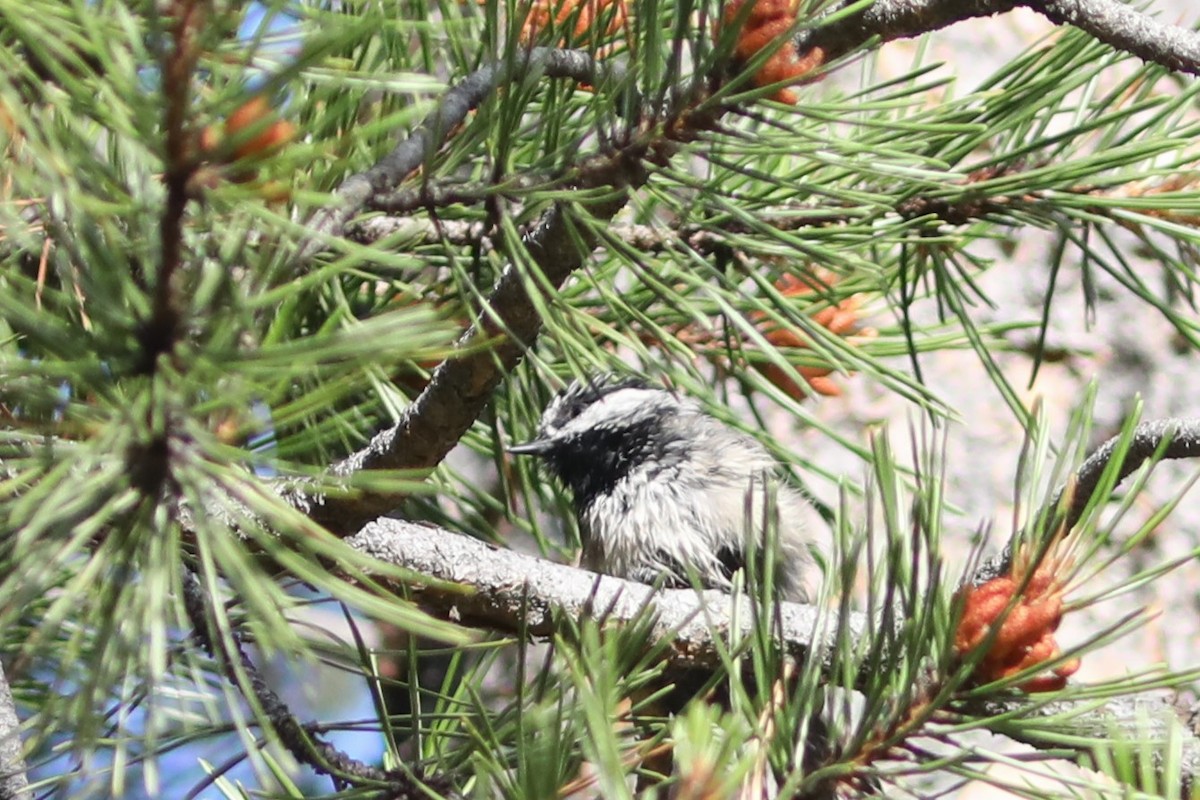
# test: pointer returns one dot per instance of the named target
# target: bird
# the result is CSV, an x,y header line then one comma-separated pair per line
x,y
666,494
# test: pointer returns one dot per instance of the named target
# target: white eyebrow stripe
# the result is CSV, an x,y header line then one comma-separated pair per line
x,y
622,405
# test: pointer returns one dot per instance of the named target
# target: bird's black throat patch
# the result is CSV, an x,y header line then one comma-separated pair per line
x,y
593,462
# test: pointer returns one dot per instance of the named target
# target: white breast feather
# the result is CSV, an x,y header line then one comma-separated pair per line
x,y
691,512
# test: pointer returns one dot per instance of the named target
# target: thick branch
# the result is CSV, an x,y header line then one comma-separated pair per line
x,y
1125,28
1110,21
508,592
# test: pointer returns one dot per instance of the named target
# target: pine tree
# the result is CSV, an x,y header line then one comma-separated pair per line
x,y
280,282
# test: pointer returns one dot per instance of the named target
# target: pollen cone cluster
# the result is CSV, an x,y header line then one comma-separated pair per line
x,y
1025,637
766,22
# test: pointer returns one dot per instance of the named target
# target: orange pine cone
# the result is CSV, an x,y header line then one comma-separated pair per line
x,y
265,139
543,12
249,131
1026,635
766,21
841,319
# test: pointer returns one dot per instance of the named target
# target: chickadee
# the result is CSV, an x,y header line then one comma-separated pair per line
x,y
665,492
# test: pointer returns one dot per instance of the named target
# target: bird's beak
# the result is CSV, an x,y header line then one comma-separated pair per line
x,y
535,448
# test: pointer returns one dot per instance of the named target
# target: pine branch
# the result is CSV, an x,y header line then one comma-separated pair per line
x,y
1125,28
501,590
1110,21
519,594
14,785
1133,718
1177,437
508,592
693,626
357,191
707,237
463,384
299,739
893,19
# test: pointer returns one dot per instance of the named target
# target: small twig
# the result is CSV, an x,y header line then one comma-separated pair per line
x,y
299,739
435,194
14,785
451,231
639,754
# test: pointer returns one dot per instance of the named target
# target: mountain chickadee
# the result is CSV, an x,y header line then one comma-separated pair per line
x,y
665,492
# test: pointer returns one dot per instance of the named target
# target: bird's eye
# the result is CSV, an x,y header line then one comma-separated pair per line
x,y
564,408
579,403
577,398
